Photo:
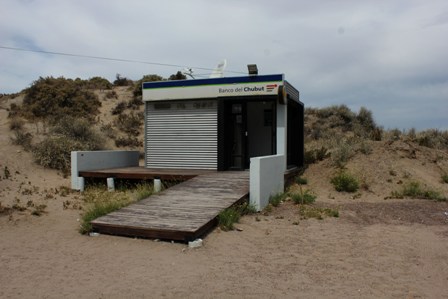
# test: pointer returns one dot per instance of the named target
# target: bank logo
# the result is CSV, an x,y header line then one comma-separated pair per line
x,y
270,87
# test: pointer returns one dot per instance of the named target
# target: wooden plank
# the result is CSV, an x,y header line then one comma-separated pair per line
x,y
183,212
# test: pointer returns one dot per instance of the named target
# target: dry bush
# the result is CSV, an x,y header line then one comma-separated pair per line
x,y
130,123
119,108
128,141
23,139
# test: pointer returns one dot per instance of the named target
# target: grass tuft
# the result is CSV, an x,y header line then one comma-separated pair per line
x,y
276,199
307,211
414,189
101,202
306,197
228,217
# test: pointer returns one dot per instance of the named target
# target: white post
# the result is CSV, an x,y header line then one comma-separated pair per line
x,y
110,184
157,185
81,183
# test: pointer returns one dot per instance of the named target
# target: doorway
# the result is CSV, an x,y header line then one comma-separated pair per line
x,y
246,129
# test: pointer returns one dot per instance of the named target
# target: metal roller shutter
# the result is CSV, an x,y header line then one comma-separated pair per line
x,y
182,135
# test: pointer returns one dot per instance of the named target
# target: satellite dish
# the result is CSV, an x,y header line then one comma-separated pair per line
x,y
218,72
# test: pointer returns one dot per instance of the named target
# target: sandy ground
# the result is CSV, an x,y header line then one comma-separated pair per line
x,y
376,249
345,257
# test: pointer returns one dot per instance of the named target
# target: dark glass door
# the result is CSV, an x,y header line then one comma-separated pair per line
x,y
238,133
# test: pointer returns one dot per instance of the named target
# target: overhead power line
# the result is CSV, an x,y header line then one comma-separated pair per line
x,y
113,59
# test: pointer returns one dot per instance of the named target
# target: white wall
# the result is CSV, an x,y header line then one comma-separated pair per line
x,y
95,160
281,131
266,179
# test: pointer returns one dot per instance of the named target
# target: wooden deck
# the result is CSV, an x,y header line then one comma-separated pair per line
x,y
143,173
183,212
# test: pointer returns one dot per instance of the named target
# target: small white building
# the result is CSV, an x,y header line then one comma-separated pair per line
x,y
220,123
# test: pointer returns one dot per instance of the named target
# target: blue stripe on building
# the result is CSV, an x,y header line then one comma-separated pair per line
x,y
213,81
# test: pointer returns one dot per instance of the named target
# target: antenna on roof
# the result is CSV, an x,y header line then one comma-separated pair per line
x,y
188,72
218,72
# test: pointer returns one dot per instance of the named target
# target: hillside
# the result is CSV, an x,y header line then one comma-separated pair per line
x,y
381,245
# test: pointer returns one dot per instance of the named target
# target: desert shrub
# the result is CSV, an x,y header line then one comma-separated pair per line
x,y
377,134
228,217
14,110
98,83
135,103
111,94
338,116
365,119
345,182
433,138
23,139
365,147
306,197
122,81
315,155
108,130
16,124
51,98
129,141
414,189
177,76
300,180
130,123
394,134
79,129
119,108
146,78
54,152
445,178
276,199
342,154
70,134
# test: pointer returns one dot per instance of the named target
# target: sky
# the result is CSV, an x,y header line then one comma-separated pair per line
x,y
388,56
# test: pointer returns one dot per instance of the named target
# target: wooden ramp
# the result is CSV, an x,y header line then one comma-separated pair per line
x,y
183,212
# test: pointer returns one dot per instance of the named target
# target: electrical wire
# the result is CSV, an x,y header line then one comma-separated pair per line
x,y
112,59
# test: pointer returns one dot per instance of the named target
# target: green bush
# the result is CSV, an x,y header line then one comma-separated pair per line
x,y
345,182
306,197
301,181
52,98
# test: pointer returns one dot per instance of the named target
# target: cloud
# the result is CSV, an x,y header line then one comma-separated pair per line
x,y
388,56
